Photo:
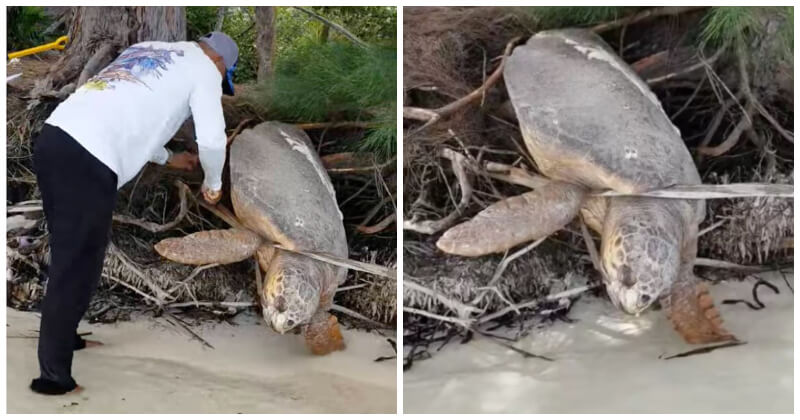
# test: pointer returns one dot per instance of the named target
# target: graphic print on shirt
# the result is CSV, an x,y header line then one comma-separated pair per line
x,y
133,64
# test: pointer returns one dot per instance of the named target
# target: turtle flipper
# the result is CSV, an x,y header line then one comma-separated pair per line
x,y
515,220
323,335
223,246
691,309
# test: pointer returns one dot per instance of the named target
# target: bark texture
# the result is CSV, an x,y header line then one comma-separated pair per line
x,y
265,41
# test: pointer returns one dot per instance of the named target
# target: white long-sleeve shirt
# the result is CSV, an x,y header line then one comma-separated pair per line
x,y
126,114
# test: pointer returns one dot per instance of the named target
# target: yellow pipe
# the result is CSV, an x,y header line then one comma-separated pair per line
x,y
58,44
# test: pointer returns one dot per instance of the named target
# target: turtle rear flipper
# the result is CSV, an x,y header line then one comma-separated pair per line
x,y
515,220
691,309
223,246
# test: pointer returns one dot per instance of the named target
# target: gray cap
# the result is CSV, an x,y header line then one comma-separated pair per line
x,y
224,45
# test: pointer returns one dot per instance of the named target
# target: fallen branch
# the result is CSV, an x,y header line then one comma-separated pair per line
x,y
155,227
712,191
354,314
708,262
237,130
745,122
645,15
334,26
431,116
703,63
378,227
339,124
432,226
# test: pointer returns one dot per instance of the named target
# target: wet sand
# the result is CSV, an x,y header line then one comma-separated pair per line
x,y
608,362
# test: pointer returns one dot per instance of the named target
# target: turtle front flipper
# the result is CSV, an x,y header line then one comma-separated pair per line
x,y
691,309
323,335
515,220
223,246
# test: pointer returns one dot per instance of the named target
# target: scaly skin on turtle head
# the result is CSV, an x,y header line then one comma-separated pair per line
x,y
640,252
291,294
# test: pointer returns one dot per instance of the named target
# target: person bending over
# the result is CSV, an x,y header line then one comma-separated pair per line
x,y
96,141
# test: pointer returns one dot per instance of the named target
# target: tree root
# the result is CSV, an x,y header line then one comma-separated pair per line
x,y
431,116
430,227
155,227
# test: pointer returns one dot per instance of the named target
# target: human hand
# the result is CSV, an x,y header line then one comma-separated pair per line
x,y
185,160
211,197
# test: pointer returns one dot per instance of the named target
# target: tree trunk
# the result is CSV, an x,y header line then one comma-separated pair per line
x,y
99,34
220,18
324,34
265,41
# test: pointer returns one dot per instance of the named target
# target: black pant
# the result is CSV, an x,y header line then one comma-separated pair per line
x,y
78,194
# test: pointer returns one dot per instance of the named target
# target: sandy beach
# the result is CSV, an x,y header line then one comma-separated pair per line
x,y
608,362
150,366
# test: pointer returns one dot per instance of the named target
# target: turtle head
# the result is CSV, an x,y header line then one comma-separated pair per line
x,y
641,261
291,293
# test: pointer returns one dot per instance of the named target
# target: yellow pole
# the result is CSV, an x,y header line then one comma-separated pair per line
x,y
58,44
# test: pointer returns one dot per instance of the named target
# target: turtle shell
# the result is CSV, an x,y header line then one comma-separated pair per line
x,y
280,189
587,118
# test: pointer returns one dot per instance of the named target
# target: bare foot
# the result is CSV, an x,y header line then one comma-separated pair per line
x,y
93,343
78,389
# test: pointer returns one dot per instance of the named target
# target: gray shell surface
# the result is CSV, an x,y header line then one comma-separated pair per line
x,y
587,118
280,189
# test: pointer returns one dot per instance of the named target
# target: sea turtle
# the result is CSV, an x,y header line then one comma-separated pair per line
x,y
590,123
280,193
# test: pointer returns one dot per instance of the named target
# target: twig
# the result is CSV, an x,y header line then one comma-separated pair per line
x,y
378,227
502,267
237,130
645,15
712,191
334,26
430,116
697,66
432,226
337,124
155,227
733,137
463,310
160,293
192,275
708,262
125,284
460,322
590,246
183,325
549,298
354,314
212,304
